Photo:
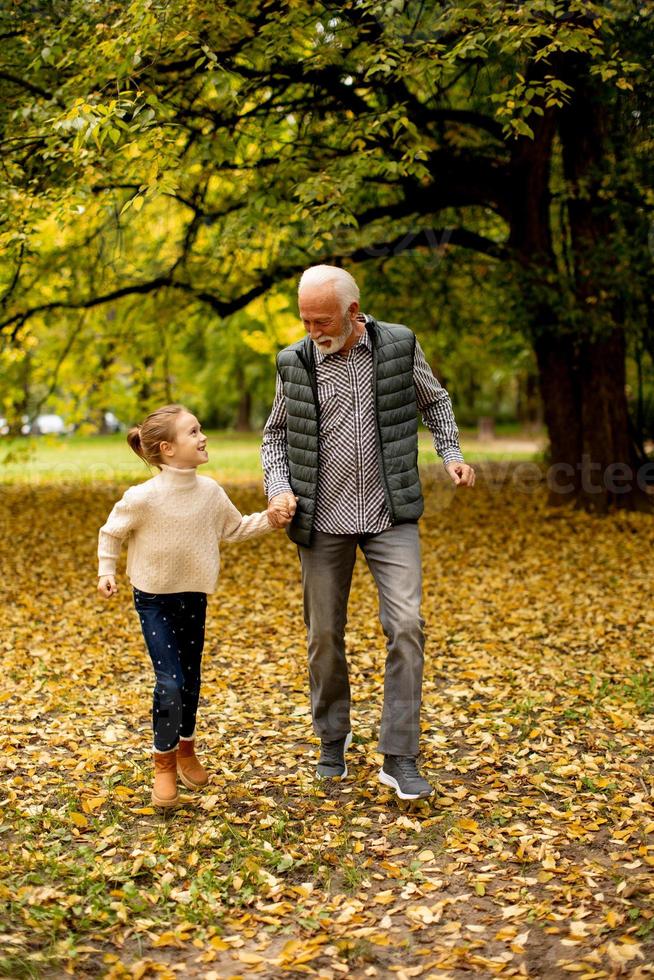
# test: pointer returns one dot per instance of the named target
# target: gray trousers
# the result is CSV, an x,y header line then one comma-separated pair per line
x,y
393,557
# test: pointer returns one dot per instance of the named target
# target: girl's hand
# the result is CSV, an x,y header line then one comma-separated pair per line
x,y
107,586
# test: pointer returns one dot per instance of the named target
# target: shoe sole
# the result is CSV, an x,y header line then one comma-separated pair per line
x,y
189,782
157,801
348,743
393,783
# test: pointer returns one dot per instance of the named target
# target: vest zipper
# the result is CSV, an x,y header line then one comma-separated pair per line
x,y
380,453
308,366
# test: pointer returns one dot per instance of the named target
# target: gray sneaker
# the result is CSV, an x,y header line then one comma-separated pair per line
x,y
332,757
401,774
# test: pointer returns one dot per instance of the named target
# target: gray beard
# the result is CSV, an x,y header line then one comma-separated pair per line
x,y
338,341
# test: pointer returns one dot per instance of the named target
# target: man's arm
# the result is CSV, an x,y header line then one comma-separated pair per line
x,y
436,408
274,459
274,448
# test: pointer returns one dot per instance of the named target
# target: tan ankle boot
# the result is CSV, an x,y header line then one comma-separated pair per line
x,y
190,769
164,790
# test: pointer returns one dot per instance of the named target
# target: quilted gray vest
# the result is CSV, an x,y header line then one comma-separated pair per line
x,y
393,348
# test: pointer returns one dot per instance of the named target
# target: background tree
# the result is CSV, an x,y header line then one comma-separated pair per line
x,y
217,150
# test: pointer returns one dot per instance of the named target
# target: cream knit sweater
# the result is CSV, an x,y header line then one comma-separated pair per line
x,y
175,523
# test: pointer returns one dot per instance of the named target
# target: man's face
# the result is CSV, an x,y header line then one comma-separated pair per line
x,y
323,318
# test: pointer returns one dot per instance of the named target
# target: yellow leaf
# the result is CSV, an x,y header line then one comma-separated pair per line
x,y
252,958
166,939
304,890
123,791
620,955
92,803
513,911
466,823
78,819
139,970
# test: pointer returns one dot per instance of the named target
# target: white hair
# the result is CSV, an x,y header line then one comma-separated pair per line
x,y
345,287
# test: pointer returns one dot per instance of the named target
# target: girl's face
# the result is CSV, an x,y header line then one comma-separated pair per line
x,y
189,447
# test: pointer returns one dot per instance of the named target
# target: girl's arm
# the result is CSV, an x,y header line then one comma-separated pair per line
x,y
123,518
233,526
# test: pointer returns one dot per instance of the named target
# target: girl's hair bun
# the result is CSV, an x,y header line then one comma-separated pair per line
x,y
145,439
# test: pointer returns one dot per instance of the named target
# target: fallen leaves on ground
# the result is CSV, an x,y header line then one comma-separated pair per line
x,y
534,858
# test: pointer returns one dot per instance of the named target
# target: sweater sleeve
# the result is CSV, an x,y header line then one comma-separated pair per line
x,y
233,526
123,519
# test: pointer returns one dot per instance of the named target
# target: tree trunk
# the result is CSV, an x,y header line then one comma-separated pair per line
x,y
592,462
243,421
606,461
144,390
582,367
529,409
21,406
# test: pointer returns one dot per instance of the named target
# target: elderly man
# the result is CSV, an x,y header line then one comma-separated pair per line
x,y
340,454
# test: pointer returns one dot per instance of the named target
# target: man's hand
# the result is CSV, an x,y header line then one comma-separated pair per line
x,y
281,509
107,586
461,474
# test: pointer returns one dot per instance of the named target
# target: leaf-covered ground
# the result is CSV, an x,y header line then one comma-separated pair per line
x,y
535,858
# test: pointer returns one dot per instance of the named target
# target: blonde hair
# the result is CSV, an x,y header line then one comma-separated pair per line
x,y
145,439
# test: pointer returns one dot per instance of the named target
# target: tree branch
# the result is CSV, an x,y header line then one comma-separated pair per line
x,y
469,117
23,83
432,238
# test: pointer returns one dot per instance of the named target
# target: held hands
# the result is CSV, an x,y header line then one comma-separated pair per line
x,y
107,586
281,509
461,474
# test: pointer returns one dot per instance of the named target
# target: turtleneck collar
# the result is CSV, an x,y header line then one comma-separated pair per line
x,y
176,479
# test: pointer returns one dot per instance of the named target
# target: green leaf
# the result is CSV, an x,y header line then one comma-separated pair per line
x,y
521,127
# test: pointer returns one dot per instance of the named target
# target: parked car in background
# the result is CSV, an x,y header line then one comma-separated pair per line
x,y
112,424
47,425
5,427
51,424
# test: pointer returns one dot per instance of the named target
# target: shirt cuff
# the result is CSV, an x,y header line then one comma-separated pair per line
x,y
452,456
278,486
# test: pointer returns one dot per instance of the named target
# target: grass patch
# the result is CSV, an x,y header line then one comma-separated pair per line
x,y
234,457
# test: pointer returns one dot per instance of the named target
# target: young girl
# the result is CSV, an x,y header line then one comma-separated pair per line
x,y
175,522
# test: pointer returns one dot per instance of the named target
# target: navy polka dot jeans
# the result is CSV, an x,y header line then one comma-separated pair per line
x,y
173,628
